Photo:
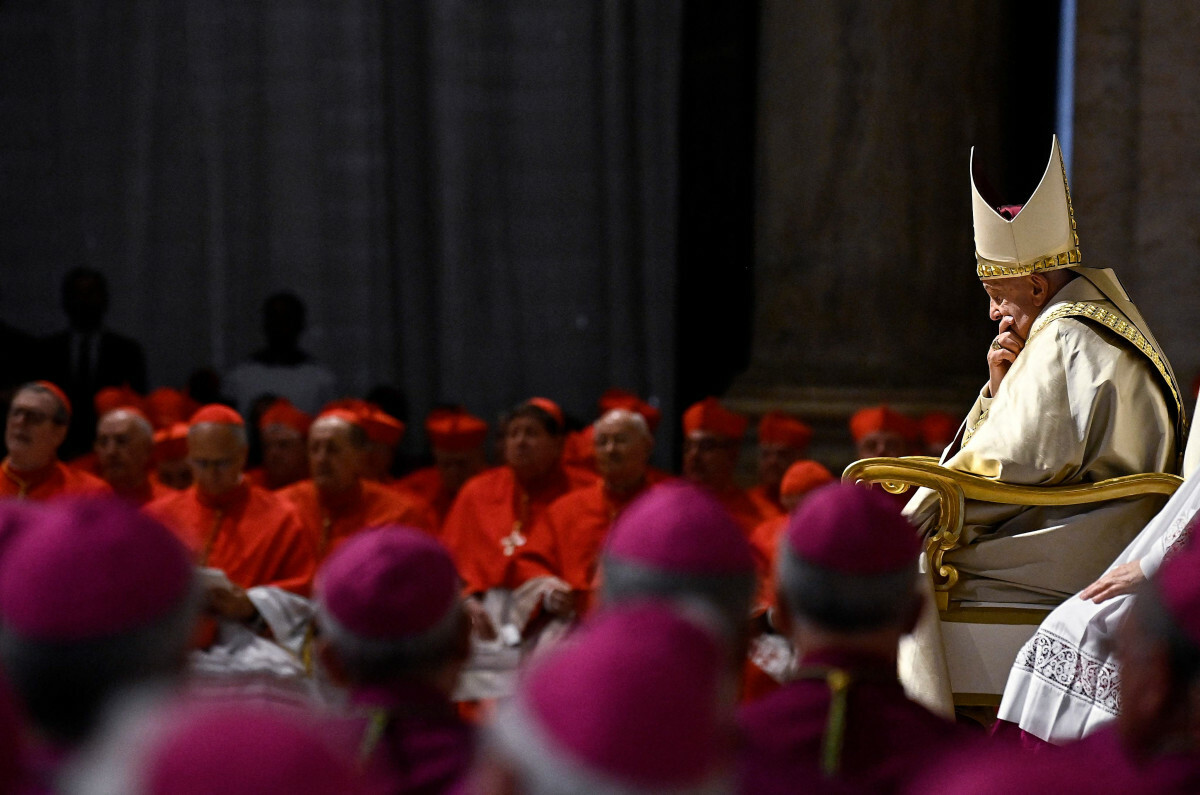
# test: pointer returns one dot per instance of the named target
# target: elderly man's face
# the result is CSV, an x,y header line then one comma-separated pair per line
x,y
124,444
773,461
285,454
882,444
332,457
32,435
1015,297
217,454
709,459
622,451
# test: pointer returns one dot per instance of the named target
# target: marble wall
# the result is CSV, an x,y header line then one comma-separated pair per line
x,y
865,270
1137,160
865,284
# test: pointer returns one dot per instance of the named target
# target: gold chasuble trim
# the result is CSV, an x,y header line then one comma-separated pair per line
x,y
1118,324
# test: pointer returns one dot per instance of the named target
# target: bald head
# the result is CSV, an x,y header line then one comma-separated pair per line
x,y
217,455
623,445
124,445
336,448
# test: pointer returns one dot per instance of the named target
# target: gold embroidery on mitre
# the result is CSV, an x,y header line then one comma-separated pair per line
x,y
1125,329
991,269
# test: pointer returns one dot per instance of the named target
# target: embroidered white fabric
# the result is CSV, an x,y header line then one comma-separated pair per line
x,y
1065,682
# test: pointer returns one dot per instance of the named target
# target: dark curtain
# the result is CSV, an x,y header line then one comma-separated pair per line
x,y
476,200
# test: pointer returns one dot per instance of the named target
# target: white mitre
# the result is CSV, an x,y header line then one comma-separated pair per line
x,y
1041,237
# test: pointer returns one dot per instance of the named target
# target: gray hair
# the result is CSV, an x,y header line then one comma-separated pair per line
x,y
141,423
61,415
846,602
357,434
374,660
65,685
638,421
729,595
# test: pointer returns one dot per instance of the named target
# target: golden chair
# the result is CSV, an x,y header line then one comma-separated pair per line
x,y
981,640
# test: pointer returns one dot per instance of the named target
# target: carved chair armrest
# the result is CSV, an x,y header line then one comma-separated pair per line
x,y
897,475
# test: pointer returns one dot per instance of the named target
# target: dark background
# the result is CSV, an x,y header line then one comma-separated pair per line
x,y
482,201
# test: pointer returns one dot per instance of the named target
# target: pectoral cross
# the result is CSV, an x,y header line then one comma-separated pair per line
x,y
513,540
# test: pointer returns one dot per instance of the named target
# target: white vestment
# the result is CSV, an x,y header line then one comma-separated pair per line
x,y
1089,397
1065,683
1082,402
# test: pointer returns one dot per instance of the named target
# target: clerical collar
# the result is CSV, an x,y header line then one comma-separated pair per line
x,y
547,482
340,500
627,496
28,479
227,501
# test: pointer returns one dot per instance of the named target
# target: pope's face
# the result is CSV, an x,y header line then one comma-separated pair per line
x,y
622,451
217,454
32,435
332,457
529,448
1013,297
123,448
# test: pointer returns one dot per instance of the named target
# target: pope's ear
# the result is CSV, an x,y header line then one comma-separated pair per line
x,y
1039,287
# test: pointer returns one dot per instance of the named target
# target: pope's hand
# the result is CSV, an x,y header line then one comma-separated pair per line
x,y
1119,580
1003,352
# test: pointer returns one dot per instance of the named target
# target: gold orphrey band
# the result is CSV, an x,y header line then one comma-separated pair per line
x,y
990,269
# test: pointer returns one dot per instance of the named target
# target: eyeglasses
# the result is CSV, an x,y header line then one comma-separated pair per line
x,y
30,416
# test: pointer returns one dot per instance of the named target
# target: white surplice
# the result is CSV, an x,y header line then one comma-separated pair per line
x,y
1065,682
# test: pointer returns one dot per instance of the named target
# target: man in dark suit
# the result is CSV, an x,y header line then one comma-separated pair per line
x,y
88,357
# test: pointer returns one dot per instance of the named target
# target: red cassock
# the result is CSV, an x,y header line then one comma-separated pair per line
x,y
427,484
567,539
768,504
56,480
88,462
887,738
257,477
252,534
491,520
330,520
743,509
764,542
151,490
